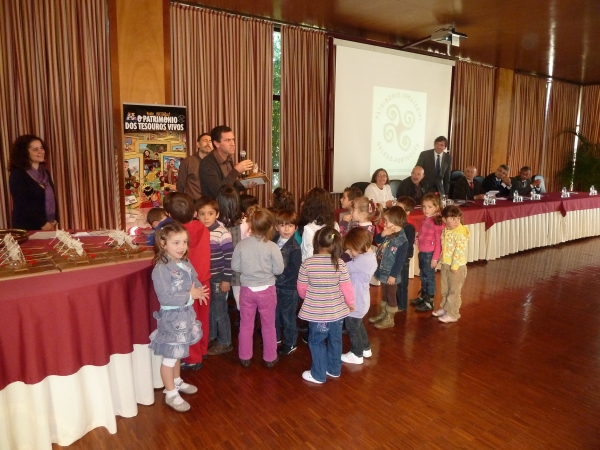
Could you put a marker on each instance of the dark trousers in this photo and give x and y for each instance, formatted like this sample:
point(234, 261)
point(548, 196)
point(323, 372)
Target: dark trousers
point(359, 340)
point(402, 291)
point(285, 316)
point(220, 325)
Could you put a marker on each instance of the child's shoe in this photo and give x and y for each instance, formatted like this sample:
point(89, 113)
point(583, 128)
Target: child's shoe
point(447, 319)
point(367, 353)
point(308, 377)
point(351, 358)
point(186, 388)
point(285, 350)
point(438, 313)
point(177, 403)
point(417, 300)
point(425, 305)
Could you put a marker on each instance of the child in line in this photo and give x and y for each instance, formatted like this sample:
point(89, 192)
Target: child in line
point(282, 199)
point(408, 204)
point(317, 212)
point(365, 212)
point(361, 268)
point(350, 193)
point(429, 241)
point(176, 286)
point(455, 239)
point(221, 250)
point(156, 217)
point(258, 260)
point(182, 210)
point(248, 203)
point(324, 283)
point(287, 294)
point(230, 215)
point(391, 255)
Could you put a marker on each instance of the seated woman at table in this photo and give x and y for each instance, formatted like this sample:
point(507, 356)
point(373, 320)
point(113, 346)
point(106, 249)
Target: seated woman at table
point(31, 187)
point(379, 190)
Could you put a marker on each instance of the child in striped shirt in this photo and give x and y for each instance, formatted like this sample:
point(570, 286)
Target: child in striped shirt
point(325, 285)
point(221, 249)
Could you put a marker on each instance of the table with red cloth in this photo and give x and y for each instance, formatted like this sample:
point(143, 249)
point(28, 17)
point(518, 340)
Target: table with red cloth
point(74, 351)
point(507, 227)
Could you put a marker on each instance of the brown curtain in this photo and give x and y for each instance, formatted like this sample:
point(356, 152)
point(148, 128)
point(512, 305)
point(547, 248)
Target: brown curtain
point(590, 113)
point(223, 72)
point(303, 100)
point(527, 123)
point(472, 117)
point(562, 115)
point(55, 83)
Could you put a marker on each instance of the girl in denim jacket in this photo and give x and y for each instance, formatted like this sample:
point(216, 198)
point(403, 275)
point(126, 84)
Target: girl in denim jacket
point(391, 255)
point(176, 285)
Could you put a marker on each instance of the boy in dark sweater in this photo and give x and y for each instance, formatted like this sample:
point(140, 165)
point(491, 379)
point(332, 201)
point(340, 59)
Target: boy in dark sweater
point(285, 285)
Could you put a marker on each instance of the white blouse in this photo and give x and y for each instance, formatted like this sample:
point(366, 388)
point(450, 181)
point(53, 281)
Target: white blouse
point(381, 196)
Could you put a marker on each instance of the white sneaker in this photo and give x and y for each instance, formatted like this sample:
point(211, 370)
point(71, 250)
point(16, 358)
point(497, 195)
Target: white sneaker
point(447, 319)
point(351, 358)
point(332, 376)
point(308, 377)
point(367, 353)
point(439, 313)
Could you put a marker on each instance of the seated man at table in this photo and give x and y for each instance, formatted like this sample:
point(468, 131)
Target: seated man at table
point(498, 181)
point(414, 186)
point(523, 184)
point(467, 187)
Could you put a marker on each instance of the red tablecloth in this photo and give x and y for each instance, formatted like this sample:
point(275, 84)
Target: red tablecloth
point(56, 323)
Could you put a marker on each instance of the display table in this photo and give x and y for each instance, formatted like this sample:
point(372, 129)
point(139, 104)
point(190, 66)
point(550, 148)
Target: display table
point(74, 352)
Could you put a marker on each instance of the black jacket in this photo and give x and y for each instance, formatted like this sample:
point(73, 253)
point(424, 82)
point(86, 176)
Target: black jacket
point(409, 189)
point(489, 184)
point(212, 178)
point(463, 191)
point(292, 260)
point(29, 201)
point(427, 162)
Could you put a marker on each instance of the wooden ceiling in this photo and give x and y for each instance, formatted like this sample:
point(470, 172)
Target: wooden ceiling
point(558, 38)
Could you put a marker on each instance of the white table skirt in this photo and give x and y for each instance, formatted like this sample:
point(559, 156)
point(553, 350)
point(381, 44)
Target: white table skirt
point(62, 409)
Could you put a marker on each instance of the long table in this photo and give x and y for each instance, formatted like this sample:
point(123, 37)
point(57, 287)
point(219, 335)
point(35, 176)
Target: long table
point(74, 352)
point(507, 227)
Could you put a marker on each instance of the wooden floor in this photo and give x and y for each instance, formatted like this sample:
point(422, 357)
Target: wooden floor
point(520, 370)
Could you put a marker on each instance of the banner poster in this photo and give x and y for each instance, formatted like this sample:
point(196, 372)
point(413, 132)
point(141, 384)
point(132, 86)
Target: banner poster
point(154, 145)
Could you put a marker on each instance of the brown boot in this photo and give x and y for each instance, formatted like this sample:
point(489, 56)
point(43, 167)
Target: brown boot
point(388, 320)
point(381, 314)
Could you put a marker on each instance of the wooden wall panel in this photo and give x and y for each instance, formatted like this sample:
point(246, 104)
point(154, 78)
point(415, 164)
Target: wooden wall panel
point(502, 111)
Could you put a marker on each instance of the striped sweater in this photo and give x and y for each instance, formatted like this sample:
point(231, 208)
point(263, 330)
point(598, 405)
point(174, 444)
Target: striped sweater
point(221, 249)
point(327, 293)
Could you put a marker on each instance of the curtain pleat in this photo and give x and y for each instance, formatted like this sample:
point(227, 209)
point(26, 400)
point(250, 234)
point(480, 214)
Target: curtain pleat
point(562, 115)
point(527, 123)
point(590, 113)
point(223, 73)
point(472, 117)
point(303, 101)
point(55, 83)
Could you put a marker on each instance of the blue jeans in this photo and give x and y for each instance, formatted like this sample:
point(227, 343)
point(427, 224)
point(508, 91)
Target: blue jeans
point(359, 340)
point(285, 316)
point(402, 292)
point(427, 273)
point(325, 357)
point(220, 325)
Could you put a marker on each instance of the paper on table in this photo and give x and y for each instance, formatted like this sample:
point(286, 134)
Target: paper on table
point(43, 235)
point(81, 234)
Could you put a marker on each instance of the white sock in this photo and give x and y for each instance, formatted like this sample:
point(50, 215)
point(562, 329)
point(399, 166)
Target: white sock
point(175, 393)
point(179, 383)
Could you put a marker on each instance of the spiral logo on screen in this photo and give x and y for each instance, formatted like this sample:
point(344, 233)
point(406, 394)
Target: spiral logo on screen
point(399, 127)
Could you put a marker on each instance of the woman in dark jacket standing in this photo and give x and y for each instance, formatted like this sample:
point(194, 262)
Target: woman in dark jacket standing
point(31, 188)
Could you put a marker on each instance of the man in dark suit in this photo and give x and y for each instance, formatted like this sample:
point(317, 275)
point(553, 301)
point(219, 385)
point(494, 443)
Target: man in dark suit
point(217, 167)
point(498, 181)
point(467, 187)
point(437, 163)
point(413, 186)
point(523, 184)
point(188, 179)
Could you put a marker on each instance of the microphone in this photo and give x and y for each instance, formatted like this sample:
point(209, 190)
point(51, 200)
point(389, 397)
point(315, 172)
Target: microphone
point(243, 158)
